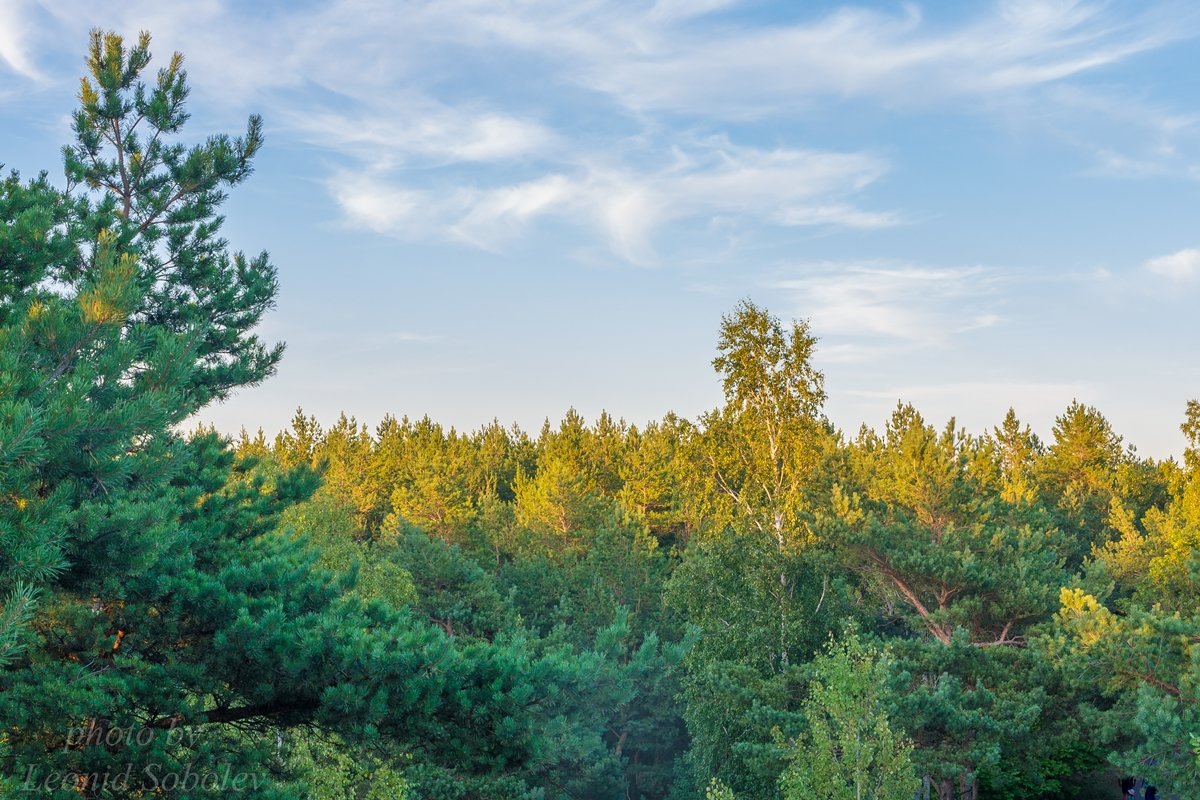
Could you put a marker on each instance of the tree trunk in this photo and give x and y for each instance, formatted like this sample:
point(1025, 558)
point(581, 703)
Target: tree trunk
point(783, 654)
point(783, 586)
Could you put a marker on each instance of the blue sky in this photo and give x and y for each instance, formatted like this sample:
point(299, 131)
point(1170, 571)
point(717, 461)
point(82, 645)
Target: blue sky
point(502, 209)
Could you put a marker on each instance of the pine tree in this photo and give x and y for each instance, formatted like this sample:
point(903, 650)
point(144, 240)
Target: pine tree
point(968, 566)
point(1091, 481)
point(35, 246)
point(658, 484)
point(572, 488)
point(124, 312)
point(1143, 650)
point(434, 487)
point(157, 623)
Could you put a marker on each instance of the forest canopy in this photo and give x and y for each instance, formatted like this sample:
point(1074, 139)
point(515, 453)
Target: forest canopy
point(751, 604)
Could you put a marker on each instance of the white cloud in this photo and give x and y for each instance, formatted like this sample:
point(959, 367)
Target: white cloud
point(425, 132)
point(737, 182)
point(14, 41)
point(838, 214)
point(666, 55)
point(897, 58)
point(628, 207)
point(653, 59)
point(676, 10)
point(1128, 137)
point(882, 306)
point(487, 218)
point(1181, 266)
point(474, 119)
point(376, 205)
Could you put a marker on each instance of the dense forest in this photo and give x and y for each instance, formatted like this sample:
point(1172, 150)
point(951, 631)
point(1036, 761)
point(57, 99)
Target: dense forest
point(749, 605)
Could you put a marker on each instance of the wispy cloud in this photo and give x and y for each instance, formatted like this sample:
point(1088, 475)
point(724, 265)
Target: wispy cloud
point(897, 58)
point(1127, 136)
point(472, 121)
point(713, 178)
point(1183, 265)
point(15, 42)
point(880, 307)
point(423, 132)
point(695, 57)
point(485, 218)
point(838, 214)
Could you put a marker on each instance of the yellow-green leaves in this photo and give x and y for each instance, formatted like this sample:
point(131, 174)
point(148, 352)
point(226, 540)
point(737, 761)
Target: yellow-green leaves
point(112, 293)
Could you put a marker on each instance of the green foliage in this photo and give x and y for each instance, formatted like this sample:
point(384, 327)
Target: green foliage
point(1146, 661)
point(755, 578)
point(849, 750)
point(1094, 486)
point(452, 591)
point(336, 770)
point(184, 626)
point(932, 535)
point(122, 314)
point(596, 611)
point(763, 447)
point(946, 537)
point(1142, 653)
point(328, 523)
point(158, 199)
point(718, 791)
point(636, 547)
point(658, 479)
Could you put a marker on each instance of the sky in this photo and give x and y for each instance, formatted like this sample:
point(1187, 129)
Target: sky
point(505, 208)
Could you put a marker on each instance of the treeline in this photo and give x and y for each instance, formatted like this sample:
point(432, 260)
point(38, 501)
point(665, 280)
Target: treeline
point(748, 605)
point(1024, 608)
